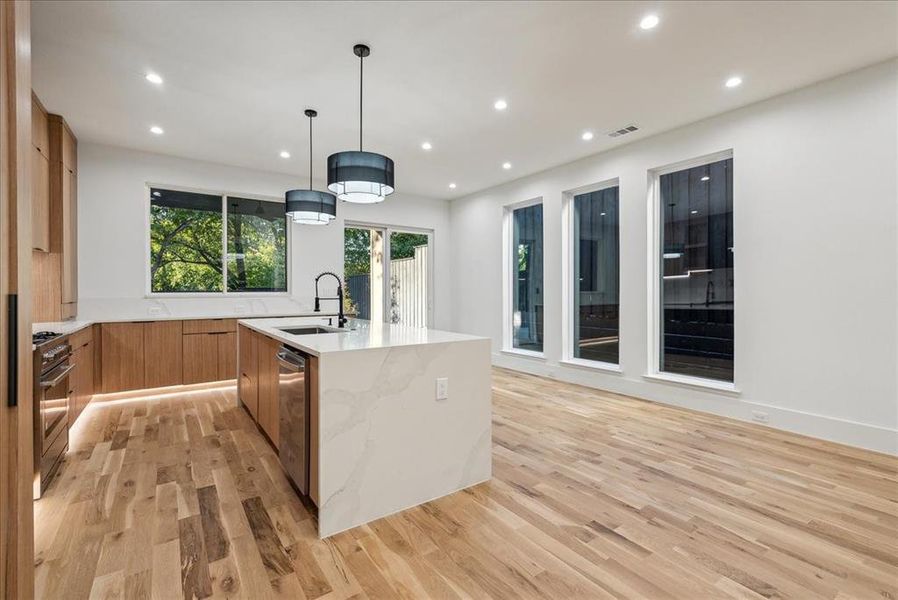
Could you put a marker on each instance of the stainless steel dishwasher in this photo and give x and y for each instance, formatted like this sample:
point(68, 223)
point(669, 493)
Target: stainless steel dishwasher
point(293, 404)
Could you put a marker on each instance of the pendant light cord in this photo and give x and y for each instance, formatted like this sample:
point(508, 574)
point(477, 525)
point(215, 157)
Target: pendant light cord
point(361, 87)
point(310, 153)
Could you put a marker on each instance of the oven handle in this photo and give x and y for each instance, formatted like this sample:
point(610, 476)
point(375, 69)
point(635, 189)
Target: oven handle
point(52, 382)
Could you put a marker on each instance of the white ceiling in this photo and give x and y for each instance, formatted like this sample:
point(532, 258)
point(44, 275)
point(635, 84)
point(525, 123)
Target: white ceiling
point(239, 74)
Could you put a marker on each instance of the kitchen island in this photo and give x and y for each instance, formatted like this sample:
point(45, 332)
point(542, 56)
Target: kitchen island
point(397, 415)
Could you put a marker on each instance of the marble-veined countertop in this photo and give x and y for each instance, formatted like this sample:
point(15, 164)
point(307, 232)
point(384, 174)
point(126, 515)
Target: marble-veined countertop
point(357, 335)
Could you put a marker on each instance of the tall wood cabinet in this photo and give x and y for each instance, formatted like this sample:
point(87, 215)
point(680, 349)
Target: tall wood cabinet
point(54, 211)
point(40, 177)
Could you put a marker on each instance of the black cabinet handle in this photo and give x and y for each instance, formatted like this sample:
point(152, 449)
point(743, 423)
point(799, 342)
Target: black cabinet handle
point(12, 367)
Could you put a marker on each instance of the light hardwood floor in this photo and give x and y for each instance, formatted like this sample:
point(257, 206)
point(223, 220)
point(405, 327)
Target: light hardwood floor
point(594, 495)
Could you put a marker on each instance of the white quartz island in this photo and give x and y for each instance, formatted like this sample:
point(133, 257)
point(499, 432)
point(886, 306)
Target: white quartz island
point(385, 442)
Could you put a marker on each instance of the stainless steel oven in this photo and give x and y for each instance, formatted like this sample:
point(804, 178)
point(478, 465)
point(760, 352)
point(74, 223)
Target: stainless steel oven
point(51, 404)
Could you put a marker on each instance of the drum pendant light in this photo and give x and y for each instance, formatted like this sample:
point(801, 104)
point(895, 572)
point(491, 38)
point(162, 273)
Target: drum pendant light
point(311, 207)
point(360, 177)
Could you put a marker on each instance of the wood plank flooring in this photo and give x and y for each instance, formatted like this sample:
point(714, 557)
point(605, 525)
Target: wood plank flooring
point(594, 495)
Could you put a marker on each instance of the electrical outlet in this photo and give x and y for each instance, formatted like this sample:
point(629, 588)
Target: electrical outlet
point(154, 311)
point(760, 417)
point(240, 309)
point(442, 388)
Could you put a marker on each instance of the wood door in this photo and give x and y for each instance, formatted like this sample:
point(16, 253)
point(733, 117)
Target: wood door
point(247, 385)
point(16, 416)
point(76, 384)
point(227, 355)
point(40, 200)
point(268, 387)
point(163, 353)
point(123, 357)
point(200, 357)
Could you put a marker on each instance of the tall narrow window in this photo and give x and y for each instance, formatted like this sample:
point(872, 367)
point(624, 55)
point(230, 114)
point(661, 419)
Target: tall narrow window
point(596, 268)
point(697, 305)
point(408, 278)
point(527, 278)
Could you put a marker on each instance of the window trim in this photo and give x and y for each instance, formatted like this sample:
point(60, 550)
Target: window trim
point(567, 277)
point(387, 230)
point(508, 276)
point(653, 258)
point(148, 284)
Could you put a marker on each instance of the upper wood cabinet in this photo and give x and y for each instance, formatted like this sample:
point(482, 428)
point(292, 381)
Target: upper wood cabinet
point(40, 177)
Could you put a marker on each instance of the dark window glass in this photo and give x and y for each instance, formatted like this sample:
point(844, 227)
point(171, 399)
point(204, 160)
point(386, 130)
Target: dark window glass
point(697, 271)
point(596, 276)
point(185, 242)
point(527, 269)
point(257, 246)
point(358, 247)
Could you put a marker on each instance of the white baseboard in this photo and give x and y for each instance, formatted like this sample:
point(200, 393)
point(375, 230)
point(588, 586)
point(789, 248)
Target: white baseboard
point(842, 431)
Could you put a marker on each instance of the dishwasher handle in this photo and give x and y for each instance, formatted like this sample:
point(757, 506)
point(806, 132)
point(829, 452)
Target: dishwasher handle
point(288, 358)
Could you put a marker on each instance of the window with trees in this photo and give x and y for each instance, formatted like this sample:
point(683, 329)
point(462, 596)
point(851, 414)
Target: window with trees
point(210, 243)
point(527, 278)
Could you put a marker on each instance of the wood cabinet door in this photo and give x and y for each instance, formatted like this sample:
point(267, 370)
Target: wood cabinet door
point(69, 236)
point(123, 356)
point(200, 357)
point(86, 379)
point(268, 387)
point(227, 355)
point(76, 376)
point(247, 385)
point(40, 201)
point(163, 352)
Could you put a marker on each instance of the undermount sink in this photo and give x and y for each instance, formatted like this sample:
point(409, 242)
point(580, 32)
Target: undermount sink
point(306, 330)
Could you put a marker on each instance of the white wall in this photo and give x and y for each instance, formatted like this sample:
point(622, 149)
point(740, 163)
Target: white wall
point(816, 259)
point(112, 234)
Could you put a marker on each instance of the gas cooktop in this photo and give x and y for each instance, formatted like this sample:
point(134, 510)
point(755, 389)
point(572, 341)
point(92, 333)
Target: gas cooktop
point(42, 337)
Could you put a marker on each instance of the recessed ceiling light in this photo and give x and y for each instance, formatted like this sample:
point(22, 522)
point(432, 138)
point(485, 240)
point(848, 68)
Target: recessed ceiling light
point(649, 22)
point(705, 178)
point(500, 104)
point(451, 186)
point(154, 78)
point(285, 154)
point(426, 146)
point(506, 165)
point(587, 135)
point(157, 130)
point(733, 82)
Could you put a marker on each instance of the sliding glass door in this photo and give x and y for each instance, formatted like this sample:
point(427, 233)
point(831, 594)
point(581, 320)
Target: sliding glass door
point(388, 274)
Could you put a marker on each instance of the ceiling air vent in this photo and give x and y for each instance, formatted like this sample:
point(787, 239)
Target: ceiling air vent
point(623, 131)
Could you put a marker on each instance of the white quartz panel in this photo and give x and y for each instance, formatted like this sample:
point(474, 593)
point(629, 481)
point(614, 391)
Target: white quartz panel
point(386, 443)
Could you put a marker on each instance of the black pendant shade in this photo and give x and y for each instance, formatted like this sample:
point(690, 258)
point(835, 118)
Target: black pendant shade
point(310, 207)
point(361, 177)
point(358, 176)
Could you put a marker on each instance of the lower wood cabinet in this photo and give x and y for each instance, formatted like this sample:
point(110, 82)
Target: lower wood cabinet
point(81, 379)
point(200, 357)
point(123, 357)
point(248, 364)
point(152, 354)
point(258, 384)
point(269, 417)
